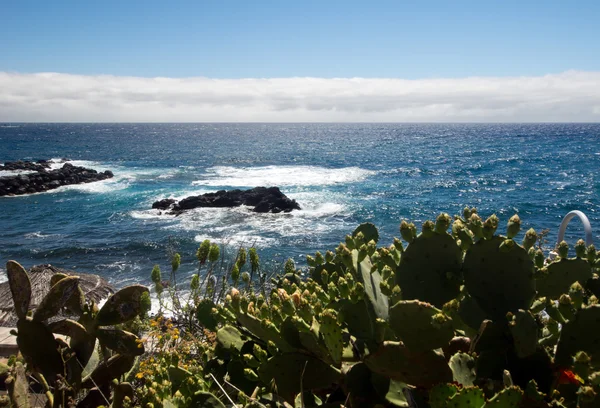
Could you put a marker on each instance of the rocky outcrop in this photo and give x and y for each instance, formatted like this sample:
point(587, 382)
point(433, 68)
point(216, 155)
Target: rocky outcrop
point(40, 165)
point(44, 179)
point(263, 199)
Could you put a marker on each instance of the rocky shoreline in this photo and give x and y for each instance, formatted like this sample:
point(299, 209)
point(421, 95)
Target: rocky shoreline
point(263, 199)
point(43, 178)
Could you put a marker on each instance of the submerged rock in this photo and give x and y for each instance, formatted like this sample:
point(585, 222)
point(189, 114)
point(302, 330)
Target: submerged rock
point(263, 199)
point(44, 179)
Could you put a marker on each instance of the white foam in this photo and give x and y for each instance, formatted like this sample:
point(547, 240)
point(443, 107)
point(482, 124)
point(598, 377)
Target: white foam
point(281, 176)
point(321, 212)
point(38, 235)
point(8, 173)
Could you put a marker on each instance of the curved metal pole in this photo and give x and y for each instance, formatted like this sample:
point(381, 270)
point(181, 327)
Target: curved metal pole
point(589, 240)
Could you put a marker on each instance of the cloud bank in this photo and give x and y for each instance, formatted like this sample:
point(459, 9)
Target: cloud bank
point(572, 96)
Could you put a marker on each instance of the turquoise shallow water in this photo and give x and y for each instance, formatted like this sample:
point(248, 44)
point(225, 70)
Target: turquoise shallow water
point(341, 174)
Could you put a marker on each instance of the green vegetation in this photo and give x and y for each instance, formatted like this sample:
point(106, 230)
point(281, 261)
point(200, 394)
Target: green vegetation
point(467, 318)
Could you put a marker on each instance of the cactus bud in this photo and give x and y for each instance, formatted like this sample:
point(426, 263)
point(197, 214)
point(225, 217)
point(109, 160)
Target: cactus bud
point(398, 245)
point(371, 247)
point(586, 395)
point(343, 288)
point(250, 375)
point(246, 278)
point(290, 266)
point(155, 275)
point(539, 258)
point(235, 299)
point(475, 225)
point(442, 223)
point(235, 273)
point(489, 226)
point(563, 250)
point(319, 260)
point(195, 283)
point(272, 348)
point(214, 253)
point(507, 245)
point(251, 361)
point(359, 240)
point(591, 254)
point(329, 256)
point(362, 253)
point(203, 251)
point(530, 238)
point(428, 228)
point(260, 354)
point(241, 258)
point(254, 260)
point(349, 241)
point(386, 272)
point(577, 293)
point(580, 249)
point(333, 291)
point(310, 261)
point(408, 232)
point(324, 277)
point(466, 238)
point(514, 226)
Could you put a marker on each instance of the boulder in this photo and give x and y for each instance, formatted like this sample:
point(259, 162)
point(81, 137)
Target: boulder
point(263, 199)
point(44, 179)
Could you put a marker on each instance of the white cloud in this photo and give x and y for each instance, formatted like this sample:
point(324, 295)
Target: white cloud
point(53, 97)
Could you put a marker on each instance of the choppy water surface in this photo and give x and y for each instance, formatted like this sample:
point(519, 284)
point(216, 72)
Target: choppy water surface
point(340, 174)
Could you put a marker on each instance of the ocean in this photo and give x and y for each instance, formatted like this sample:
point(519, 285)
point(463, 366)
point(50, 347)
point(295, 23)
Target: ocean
point(340, 174)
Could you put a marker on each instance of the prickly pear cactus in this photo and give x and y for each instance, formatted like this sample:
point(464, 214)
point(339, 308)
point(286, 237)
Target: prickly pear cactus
point(20, 287)
point(394, 360)
point(524, 331)
point(120, 341)
point(206, 400)
point(290, 371)
point(420, 325)
point(56, 298)
point(331, 333)
point(108, 370)
point(578, 335)
point(498, 274)
point(38, 346)
point(122, 307)
point(430, 267)
point(18, 387)
point(463, 368)
point(561, 274)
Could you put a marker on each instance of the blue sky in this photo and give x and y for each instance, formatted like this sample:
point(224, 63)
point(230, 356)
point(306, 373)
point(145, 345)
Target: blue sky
point(327, 38)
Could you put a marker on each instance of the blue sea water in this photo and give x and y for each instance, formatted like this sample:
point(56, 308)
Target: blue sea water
point(341, 175)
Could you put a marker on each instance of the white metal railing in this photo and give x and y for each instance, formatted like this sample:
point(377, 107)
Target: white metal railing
point(587, 227)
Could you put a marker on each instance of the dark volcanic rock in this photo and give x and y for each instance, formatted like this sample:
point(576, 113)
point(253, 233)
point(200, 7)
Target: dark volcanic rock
point(44, 179)
point(41, 165)
point(263, 200)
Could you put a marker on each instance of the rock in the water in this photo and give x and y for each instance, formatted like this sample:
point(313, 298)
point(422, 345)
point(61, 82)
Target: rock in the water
point(44, 179)
point(263, 199)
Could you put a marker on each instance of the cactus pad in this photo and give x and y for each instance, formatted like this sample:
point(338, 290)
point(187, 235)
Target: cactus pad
point(499, 280)
point(108, 370)
point(440, 395)
point(18, 387)
point(463, 369)
point(467, 397)
point(579, 335)
point(561, 275)
point(56, 298)
point(395, 361)
point(292, 369)
point(68, 327)
point(369, 231)
point(205, 314)
point(429, 269)
point(331, 332)
point(230, 338)
point(38, 346)
point(524, 331)
point(123, 306)
point(20, 287)
point(120, 341)
point(420, 325)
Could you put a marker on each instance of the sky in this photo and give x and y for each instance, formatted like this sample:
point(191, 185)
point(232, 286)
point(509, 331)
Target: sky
point(327, 60)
